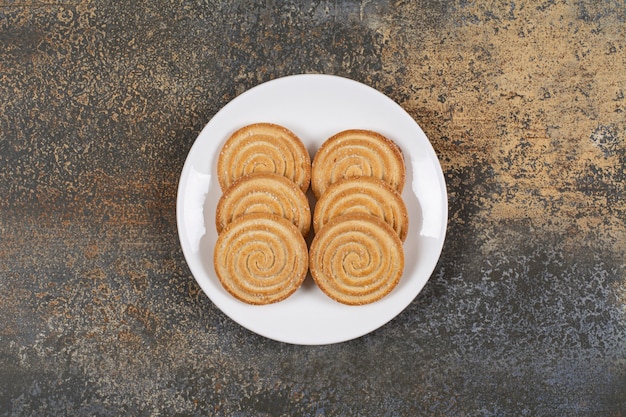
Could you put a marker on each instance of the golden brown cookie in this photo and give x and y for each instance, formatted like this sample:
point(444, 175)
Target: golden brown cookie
point(264, 147)
point(354, 153)
point(367, 195)
point(260, 258)
point(356, 259)
point(264, 193)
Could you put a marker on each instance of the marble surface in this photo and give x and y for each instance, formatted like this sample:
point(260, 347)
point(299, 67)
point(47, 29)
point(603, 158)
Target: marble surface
point(524, 103)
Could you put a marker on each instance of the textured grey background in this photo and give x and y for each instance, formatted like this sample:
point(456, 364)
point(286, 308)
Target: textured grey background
point(524, 104)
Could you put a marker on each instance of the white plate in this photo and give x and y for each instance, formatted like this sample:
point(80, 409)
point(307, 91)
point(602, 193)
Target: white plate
point(314, 107)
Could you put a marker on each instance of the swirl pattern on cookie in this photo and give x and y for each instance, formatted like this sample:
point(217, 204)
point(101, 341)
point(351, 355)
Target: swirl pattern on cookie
point(367, 195)
point(356, 259)
point(264, 148)
point(354, 153)
point(264, 193)
point(260, 258)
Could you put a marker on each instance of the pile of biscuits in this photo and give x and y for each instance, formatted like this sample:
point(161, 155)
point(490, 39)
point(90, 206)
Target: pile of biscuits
point(263, 215)
point(360, 220)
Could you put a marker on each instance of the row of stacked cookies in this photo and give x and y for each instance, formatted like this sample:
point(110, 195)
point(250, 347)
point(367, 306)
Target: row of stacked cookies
point(360, 219)
point(263, 216)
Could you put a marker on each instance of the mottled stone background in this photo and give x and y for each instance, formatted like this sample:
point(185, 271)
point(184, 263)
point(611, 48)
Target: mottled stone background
point(524, 102)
